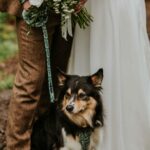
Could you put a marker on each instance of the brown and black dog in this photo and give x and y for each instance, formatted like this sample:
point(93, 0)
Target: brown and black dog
point(79, 109)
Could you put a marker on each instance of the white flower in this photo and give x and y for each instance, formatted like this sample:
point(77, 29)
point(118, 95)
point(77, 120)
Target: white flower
point(36, 3)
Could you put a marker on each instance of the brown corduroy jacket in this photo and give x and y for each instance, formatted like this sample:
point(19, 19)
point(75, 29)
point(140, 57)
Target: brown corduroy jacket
point(12, 7)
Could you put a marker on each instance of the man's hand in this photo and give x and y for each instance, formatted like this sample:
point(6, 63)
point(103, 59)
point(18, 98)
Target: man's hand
point(80, 5)
point(26, 5)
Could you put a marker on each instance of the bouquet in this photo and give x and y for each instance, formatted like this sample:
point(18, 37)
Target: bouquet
point(37, 15)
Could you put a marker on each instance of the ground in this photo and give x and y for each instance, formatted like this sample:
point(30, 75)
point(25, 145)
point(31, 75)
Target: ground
point(4, 101)
point(8, 67)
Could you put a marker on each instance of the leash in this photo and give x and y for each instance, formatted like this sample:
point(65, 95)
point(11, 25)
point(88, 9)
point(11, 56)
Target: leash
point(39, 19)
point(49, 72)
point(84, 138)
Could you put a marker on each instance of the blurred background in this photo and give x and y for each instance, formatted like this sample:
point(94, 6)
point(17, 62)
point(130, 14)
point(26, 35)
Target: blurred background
point(8, 64)
point(8, 51)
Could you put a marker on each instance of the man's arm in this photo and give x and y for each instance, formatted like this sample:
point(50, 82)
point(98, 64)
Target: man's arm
point(12, 7)
point(2, 5)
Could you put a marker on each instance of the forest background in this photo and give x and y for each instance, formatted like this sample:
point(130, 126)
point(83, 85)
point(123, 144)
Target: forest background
point(8, 65)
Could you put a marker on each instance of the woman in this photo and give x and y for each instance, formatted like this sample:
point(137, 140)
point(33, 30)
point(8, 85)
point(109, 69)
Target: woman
point(118, 42)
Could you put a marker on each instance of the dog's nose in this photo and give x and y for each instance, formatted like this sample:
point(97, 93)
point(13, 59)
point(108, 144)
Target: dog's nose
point(70, 108)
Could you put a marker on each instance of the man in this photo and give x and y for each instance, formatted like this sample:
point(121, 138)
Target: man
point(30, 87)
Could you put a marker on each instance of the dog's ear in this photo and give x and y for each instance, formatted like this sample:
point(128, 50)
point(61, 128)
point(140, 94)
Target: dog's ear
point(97, 78)
point(61, 77)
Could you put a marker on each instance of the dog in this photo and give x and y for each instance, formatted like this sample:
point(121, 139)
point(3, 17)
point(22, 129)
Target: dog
point(74, 120)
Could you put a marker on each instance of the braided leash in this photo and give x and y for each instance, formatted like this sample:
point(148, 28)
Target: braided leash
point(84, 137)
point(49, 73)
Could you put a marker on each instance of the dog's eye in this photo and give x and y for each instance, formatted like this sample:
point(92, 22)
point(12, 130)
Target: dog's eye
point(83, 96)
point(67, 95)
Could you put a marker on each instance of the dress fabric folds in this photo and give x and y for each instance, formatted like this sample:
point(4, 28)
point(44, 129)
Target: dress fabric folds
point(117, 41)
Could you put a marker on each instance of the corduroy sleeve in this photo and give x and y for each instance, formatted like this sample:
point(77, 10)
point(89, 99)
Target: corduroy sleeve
point(12, 7)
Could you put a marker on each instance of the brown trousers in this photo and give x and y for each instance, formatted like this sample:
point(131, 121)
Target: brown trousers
point(30, 87)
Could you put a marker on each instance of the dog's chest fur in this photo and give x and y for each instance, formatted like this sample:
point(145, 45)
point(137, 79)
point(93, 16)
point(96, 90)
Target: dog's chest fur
point(73, 143)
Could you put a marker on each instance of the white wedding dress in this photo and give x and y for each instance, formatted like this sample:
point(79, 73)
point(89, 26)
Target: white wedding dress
point(117, 41)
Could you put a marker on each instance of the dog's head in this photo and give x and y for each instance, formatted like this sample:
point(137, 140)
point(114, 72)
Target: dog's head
point(80, 99)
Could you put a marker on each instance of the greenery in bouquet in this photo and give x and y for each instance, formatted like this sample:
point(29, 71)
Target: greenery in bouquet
point(37, 15)
point(67, 8)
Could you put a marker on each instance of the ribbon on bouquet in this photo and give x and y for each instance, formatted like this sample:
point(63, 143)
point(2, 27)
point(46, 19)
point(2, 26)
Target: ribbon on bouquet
point(67, 27)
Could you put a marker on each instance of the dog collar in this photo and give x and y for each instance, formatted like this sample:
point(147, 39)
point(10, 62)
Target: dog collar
point(84, 138)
